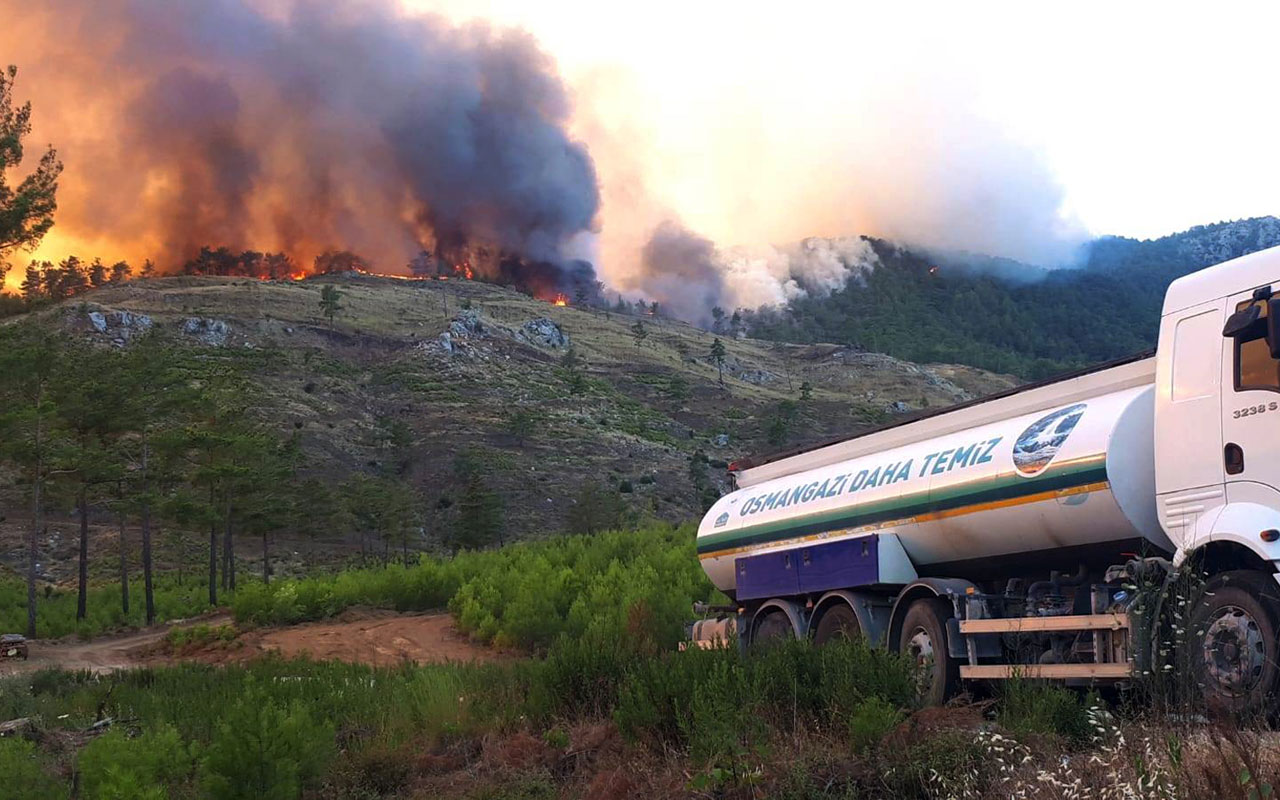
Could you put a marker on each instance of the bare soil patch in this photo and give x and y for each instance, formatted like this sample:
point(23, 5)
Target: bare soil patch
point(372, 638)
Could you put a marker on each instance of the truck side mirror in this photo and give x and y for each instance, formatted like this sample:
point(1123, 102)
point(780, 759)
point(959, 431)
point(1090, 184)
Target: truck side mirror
point(1243, 321)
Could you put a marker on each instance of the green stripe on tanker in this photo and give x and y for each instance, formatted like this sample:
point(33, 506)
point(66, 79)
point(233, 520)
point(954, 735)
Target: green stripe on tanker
point(1071, 475)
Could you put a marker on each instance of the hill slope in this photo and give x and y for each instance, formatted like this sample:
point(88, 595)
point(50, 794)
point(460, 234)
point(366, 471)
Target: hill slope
point(407, 379)
point(971, 309)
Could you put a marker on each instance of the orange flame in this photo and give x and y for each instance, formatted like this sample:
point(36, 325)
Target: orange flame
point(560, 300)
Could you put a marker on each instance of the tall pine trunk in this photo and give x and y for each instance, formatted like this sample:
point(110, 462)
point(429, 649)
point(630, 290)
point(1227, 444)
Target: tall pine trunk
point(148, 589)
point(266, 558)
point(213, 552)
point(124, 566)
point(37, 519)
point(228, 550)
point(82, 597)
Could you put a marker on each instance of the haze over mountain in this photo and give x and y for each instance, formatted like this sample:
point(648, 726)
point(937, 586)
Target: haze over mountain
point(1005, 316)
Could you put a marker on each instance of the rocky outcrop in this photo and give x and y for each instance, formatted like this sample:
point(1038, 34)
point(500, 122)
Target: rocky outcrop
point(207, 331)
point(542, 332)
point(470, 335)
point(118, 327)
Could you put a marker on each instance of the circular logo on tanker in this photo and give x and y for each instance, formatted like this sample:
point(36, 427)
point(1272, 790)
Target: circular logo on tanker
point(1042, 439)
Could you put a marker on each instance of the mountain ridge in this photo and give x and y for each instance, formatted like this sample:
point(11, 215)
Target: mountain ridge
point(921, 307)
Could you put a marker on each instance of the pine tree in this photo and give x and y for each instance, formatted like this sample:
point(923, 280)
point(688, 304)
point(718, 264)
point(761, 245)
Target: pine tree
point(718, 354)
point(72, 278)
point(520, 424)
point(29, 435)
point(596, 508)
point(154, 393)
point(97, 273)
point(329, 305)
point(33, 284)
point(479, 520)
point(120, 272)
point(717, 319)
point(88, 394)
point(639, 332)
point(26, 211)
point(572, 369)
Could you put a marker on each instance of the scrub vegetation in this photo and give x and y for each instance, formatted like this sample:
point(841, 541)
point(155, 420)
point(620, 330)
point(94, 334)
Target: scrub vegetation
point(525, 596)
point(606, 705)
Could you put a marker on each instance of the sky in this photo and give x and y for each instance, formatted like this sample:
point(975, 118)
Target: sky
point(1152, 117)
point(1014, 129)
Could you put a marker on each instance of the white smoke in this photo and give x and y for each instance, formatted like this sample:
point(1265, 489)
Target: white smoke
point(689, 275)
point(759, 276)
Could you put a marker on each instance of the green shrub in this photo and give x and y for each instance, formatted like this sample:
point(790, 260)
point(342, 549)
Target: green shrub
point(1041, 708)
point(949, 764)
point(715, 702)
point(117, 767)
point(200, 635)
point(525, 596)
point(267, 750)
point(870, 721)
point(23, 775)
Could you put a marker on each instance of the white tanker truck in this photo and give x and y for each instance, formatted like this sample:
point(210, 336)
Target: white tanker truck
point(1038, 532)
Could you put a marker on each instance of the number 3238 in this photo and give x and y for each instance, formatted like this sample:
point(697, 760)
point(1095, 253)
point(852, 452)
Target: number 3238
point(1249, 411)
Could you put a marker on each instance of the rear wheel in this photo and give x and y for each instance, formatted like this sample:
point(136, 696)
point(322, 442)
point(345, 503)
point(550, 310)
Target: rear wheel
point(924, 639)
point(837, 623)
point(1235, 665)
point(774, 628)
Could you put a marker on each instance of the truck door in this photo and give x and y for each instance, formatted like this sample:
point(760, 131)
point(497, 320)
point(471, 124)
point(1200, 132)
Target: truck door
point(1250, 408)
point(1188, 435)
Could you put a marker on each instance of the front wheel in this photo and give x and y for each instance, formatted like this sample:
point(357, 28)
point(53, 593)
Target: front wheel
point(1235, 665)
point(924, 639)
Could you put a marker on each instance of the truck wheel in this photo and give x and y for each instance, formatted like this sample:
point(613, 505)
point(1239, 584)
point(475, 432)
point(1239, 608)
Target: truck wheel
point(1235, 665)
point(837, 623)
point(773, 629)
point(924, 639)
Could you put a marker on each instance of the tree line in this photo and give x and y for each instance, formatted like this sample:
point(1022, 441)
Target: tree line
point(158, 435)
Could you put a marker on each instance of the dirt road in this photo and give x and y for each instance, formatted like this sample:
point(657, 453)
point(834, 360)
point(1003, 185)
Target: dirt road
point(371, 637)
point(102, 654)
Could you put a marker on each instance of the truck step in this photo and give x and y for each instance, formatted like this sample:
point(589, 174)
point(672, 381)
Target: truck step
point(1047, 671)
point(1079, 622)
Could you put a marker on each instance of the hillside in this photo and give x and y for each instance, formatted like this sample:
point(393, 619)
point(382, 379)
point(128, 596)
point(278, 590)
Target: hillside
point(401, 386)
point(1003, 316)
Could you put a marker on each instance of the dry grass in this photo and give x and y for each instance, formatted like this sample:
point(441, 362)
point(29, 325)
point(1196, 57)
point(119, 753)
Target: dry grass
point(336, 385)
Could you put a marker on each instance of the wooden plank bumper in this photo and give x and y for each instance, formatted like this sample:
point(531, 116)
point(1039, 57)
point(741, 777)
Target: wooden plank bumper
point(1079, 622)
point(1047, 671)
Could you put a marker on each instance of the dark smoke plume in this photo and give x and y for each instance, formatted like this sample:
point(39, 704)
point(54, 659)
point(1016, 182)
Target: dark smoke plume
point(678, 266)
point(302, 127)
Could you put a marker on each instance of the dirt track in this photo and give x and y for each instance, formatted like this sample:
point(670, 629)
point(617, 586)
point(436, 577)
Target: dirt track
point(374, 638)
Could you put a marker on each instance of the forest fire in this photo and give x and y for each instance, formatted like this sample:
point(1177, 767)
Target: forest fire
point(560, 300)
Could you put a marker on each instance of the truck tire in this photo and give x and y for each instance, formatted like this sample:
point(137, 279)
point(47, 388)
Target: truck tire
point(837, 623)
point(773, 629)
point(924, 639)
point(1233, 661)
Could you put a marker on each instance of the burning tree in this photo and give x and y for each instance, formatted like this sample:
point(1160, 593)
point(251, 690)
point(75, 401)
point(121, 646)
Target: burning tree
point(331, 261)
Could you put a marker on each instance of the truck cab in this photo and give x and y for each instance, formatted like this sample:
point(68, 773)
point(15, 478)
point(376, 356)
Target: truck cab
point(1217, 441)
